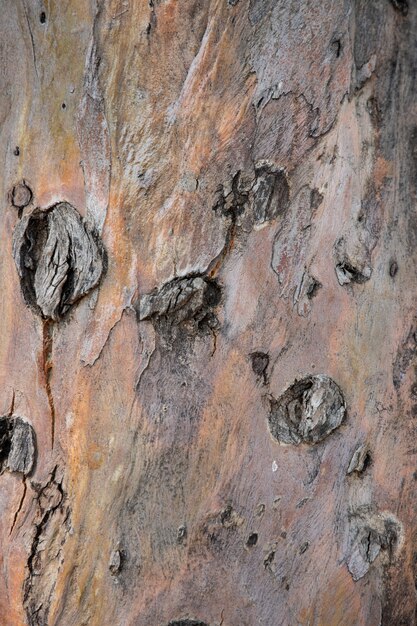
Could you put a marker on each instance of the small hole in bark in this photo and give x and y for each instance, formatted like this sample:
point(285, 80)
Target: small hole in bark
point(260, 362)
point(367, 462)
point(393, 269)
point(63, 106)
point(212, 294)
point(336, 47)
point(313, 288)
point(16, 151)
point(252, 540)
point(6, 431)
point(42, 17)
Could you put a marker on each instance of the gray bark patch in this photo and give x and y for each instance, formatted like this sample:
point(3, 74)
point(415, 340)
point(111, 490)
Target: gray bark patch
point(58, 258)
point(116, 562)
point(369, 536)
point(188, 299)
point(352, 266)
point(17, 445)
point(271, 194)
point(361, 459)
point(308, 411)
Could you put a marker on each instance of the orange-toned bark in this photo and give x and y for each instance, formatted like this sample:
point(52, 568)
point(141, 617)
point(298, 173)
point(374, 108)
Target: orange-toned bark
point(250, 169)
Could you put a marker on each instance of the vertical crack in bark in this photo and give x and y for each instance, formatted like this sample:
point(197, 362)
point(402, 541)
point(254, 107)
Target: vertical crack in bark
point(32, 41)
point(12, 403)
point(47, 344)
point(19, 508)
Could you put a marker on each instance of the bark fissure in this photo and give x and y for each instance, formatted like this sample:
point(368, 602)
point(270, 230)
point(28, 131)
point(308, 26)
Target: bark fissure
point(47, 367)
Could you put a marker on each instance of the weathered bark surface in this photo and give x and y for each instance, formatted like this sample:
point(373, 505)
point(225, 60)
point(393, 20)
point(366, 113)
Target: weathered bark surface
point(208, 407)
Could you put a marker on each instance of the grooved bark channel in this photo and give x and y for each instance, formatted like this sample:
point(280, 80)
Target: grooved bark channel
point(208, 353)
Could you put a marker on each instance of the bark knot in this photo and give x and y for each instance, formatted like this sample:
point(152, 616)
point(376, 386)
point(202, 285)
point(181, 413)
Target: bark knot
point(308, 411)
point(58, 257)
point(17, 445)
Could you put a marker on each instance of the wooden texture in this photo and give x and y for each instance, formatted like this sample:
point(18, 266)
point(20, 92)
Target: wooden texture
point(234, 185)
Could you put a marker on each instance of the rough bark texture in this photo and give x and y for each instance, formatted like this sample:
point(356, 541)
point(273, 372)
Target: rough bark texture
point(209, 404)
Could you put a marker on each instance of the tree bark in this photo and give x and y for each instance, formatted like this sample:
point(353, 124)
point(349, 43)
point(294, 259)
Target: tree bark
point(209, 330)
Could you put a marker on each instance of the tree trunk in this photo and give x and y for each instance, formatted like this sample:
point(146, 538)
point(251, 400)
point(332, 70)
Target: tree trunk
point(209, 331)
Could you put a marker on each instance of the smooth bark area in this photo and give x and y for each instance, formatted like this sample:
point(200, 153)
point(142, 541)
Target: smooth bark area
point(208, 316)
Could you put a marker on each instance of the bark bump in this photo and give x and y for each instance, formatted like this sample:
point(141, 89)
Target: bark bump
point(17, 445)
point(352, 266)
point(361, 460)
point(21, 195)
point(59, 259)
point(308, 411)
point(188, 299)
point(370, 535)
point(116, 562)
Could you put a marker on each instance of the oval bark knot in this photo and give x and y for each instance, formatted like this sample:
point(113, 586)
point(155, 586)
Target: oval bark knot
point(17, 445)
point(21, 195)
point(58, 257)
point(308, 411)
